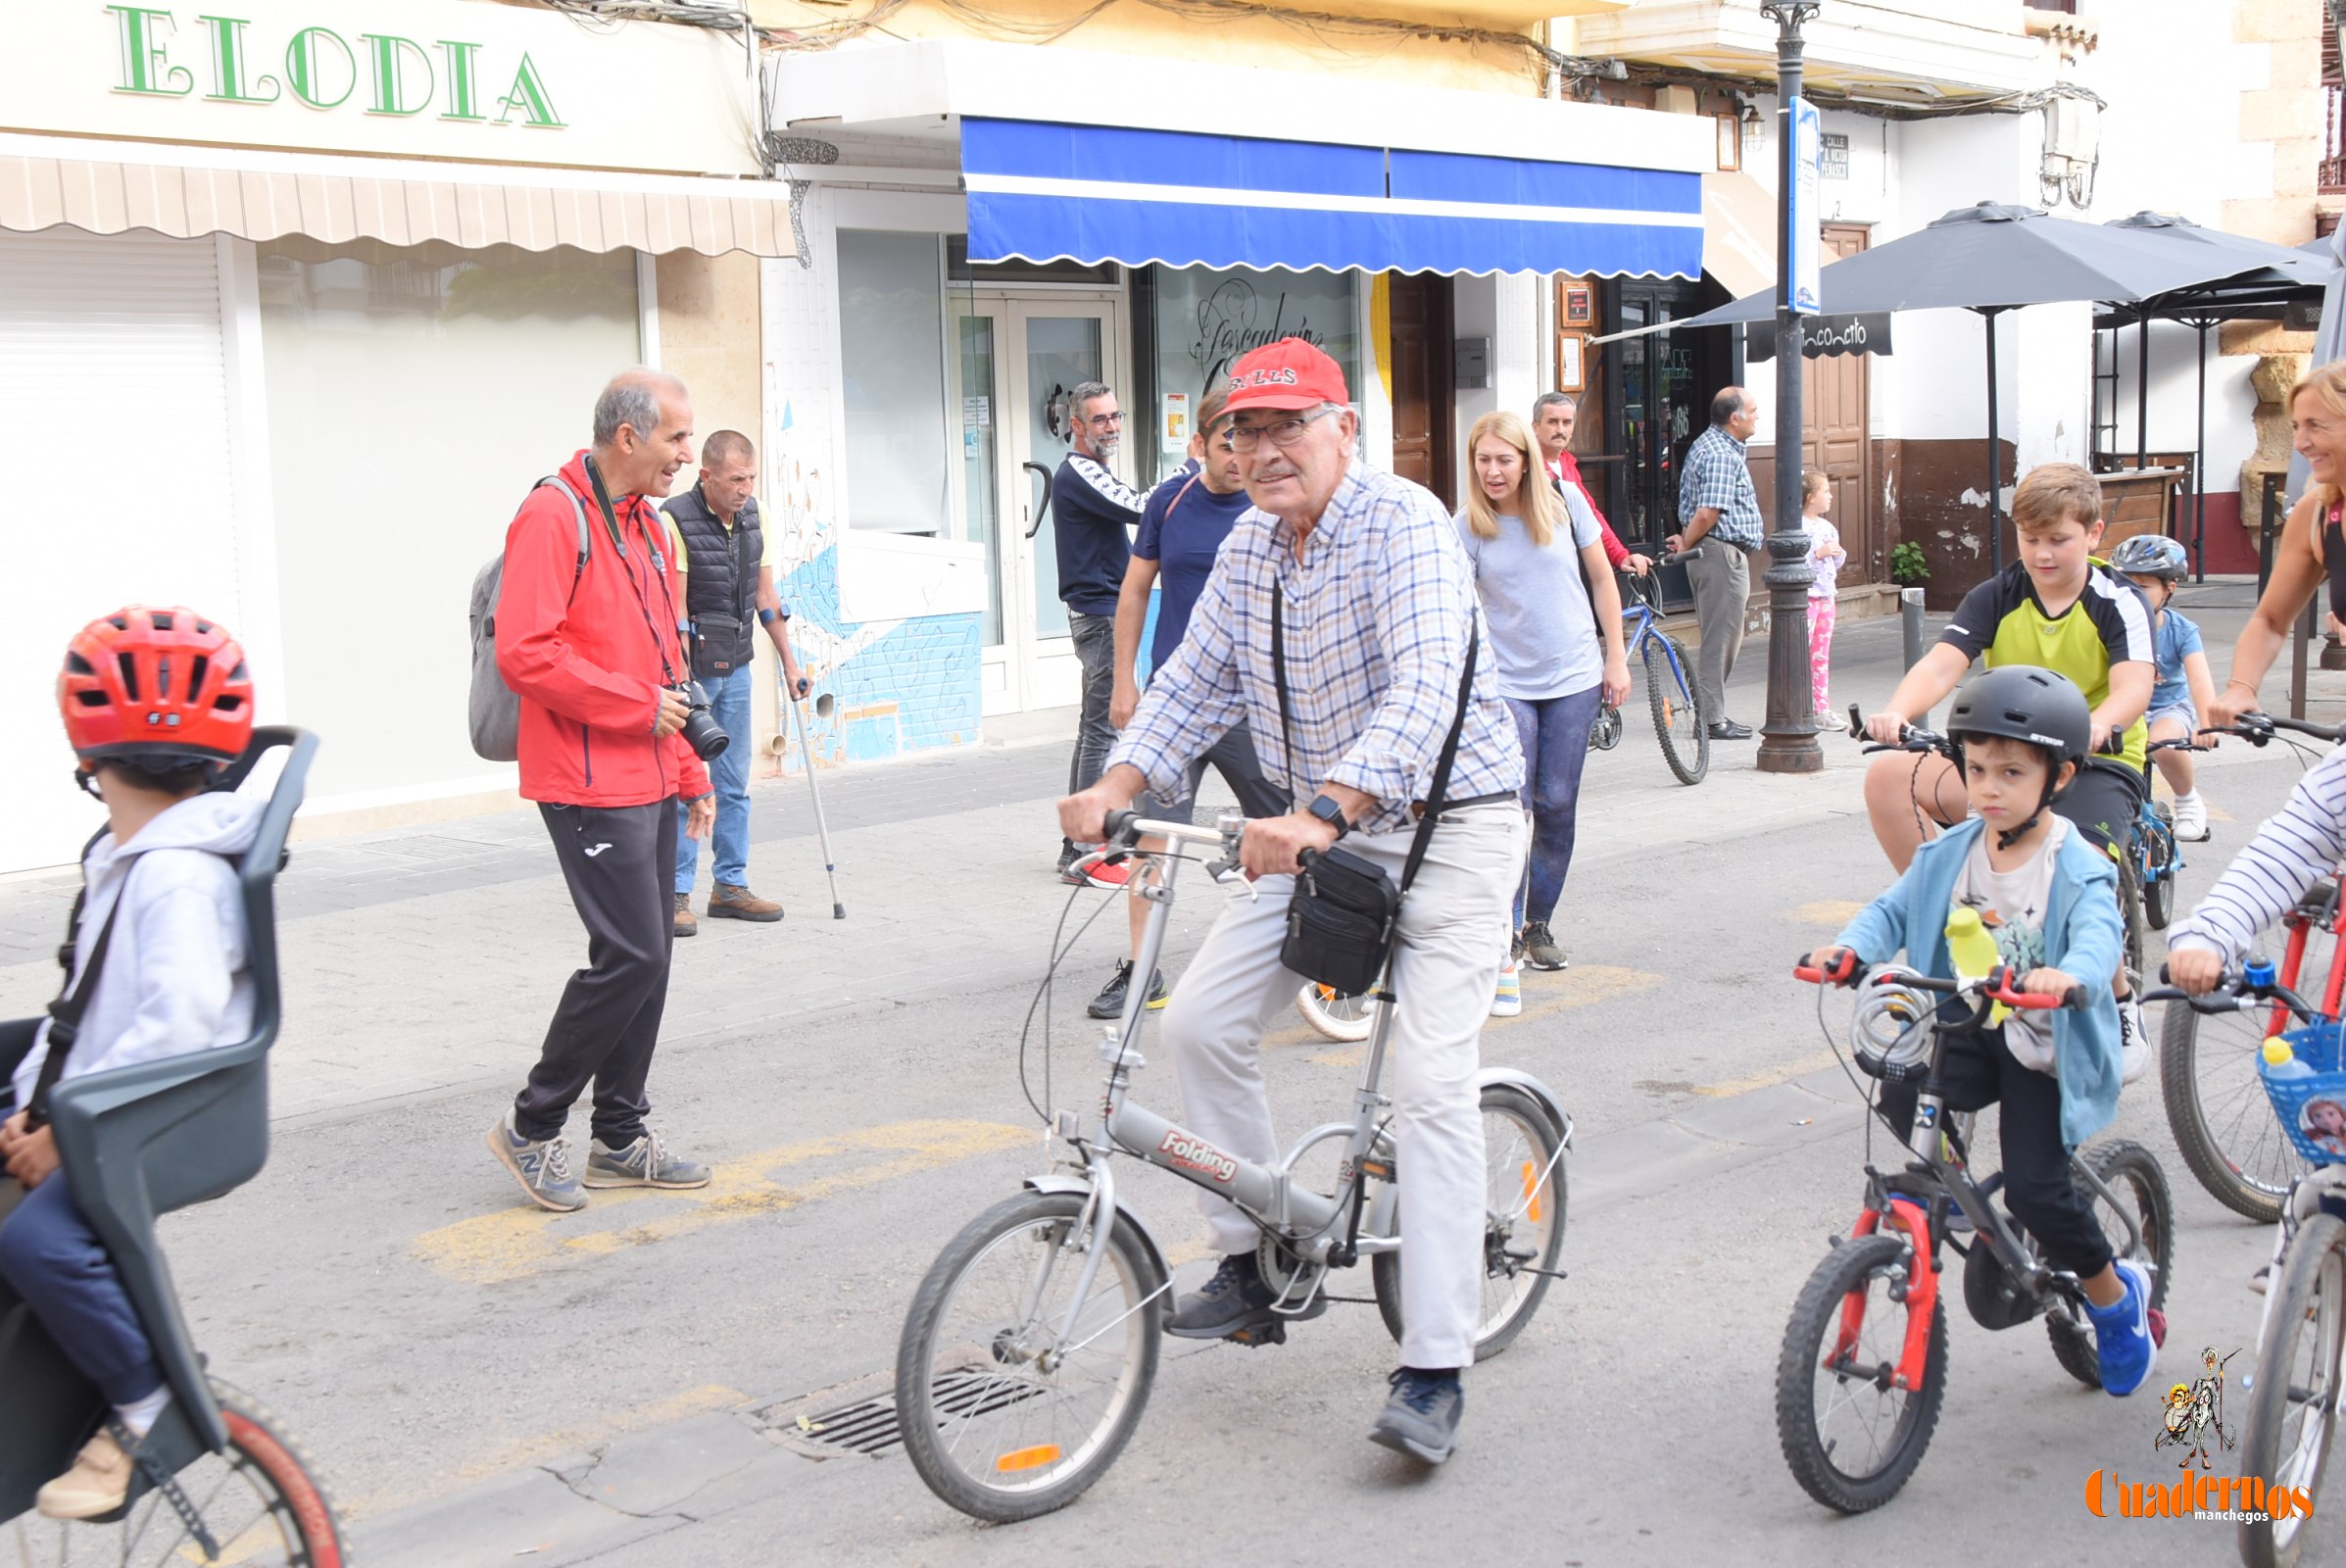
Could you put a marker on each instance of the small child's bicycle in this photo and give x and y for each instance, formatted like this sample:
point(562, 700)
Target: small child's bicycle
point(2294, 1388)
point(1864, 1365)
point(217, 1480)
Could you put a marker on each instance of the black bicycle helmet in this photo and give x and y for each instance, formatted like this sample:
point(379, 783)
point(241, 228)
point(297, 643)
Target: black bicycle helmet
point(2151, 554)
point(2023, 703)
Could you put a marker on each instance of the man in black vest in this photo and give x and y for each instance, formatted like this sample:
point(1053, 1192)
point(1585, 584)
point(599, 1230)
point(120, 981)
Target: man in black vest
point(721, 551)
point(1091, 513)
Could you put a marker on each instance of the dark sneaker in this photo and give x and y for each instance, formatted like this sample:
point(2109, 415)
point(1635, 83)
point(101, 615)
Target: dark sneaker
point(2121, 1335)
point(541, 1166)
point(1235, 1299)
point(686, 925)
point(1539, 949)
point(1421, 1418)
point(1729, 730)
point(646, 1162)
point(1109, 1004)
point(733, 901)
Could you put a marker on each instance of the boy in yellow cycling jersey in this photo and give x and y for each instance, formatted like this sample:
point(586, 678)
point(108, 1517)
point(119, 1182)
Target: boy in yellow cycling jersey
point(2057, 609)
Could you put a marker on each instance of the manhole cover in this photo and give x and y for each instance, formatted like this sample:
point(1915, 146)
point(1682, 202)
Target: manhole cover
point(870, 1426)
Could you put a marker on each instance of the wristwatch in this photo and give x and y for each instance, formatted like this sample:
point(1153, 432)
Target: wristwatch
point(1327, 810)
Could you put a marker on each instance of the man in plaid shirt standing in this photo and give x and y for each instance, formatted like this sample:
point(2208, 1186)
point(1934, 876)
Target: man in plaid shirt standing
point(1377, 603)
point(1719, 510)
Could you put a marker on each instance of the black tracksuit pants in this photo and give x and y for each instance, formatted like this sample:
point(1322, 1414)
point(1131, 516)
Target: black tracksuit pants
point(619, 861)
point(1979, 1071)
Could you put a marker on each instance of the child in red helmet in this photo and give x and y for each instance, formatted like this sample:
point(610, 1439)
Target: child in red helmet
point(155, 701)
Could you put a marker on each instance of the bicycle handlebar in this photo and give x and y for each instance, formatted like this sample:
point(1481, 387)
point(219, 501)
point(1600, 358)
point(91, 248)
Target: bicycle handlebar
point(2258, 727)
point(2232, 993)
point(1996, 986)
point(1679, 559)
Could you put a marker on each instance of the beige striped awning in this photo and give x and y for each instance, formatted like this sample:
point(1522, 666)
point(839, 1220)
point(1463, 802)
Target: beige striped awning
point(655, 216)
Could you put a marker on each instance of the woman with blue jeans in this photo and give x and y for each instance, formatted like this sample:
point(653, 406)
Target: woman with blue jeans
point(1554, 614)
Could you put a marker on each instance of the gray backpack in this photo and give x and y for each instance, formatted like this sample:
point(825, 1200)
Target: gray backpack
point(496, 712)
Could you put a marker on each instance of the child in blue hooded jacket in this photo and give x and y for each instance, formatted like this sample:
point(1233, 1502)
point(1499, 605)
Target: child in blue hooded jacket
point(2048, 897)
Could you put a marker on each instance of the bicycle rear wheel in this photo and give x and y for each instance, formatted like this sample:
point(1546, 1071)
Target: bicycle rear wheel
point(1677, 719)
point(2223, 1125)
point(1850, 1435)
point(258, 1500)
point(2131, 1172)
point(1003, 1416)
point(1524, 1198)
point(2159, 857)
point(1334, 1014)
point(2293, 1406)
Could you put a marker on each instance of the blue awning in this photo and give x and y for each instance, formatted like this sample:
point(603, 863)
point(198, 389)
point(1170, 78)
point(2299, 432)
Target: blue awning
point(1045, 192)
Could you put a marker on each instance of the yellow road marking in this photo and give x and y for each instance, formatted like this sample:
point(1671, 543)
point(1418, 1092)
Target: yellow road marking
point(1834, 912)
point(514, 1243)
point(1765, 1079)
point(1545, 992)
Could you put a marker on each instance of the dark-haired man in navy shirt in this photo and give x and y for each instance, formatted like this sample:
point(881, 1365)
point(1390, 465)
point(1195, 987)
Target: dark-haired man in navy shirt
point(1181, 528)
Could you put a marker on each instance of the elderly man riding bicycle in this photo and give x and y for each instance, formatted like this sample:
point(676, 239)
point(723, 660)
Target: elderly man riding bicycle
point(1357, 578)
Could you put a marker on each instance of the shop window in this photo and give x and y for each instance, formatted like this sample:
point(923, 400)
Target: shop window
point(1203, 320)
point(892, 379)
point(414, 396)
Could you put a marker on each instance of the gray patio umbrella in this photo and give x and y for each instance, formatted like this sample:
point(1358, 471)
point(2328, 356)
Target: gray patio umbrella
point(1991, 259)
point(2330, 339)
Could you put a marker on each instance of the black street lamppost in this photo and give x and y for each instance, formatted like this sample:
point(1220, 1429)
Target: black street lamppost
point(1789, 738)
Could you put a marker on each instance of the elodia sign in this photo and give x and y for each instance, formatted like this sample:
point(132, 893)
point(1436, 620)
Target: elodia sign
point(318, 68)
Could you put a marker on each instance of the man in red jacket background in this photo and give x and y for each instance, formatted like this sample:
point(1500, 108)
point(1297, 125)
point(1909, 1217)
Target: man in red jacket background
point(595, 653)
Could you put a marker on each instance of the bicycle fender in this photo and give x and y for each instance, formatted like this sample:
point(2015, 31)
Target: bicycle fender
point(1058, 1183)
point(1541, 1095)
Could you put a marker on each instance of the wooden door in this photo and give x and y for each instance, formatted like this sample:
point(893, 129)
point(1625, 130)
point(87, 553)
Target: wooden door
point(1836, 436)
point(1422, 404)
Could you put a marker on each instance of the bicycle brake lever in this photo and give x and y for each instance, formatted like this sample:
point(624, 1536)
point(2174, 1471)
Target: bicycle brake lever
point(1226, 873)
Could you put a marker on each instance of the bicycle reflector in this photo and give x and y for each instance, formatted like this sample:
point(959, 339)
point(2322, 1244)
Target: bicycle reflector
point(1891, 1035)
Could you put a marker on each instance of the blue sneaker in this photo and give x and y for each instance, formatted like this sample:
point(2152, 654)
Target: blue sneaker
point(2123, 1334)
point(541, 1165)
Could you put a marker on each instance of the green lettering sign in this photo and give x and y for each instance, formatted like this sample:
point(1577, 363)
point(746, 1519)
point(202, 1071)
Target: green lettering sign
point(528, 94)
point(307, 73)
point(227, 65)
point(390, 81)
point(464, 102)
point(145, 66)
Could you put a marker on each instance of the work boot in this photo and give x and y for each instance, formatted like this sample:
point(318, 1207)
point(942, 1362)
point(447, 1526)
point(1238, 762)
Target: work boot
point(732, 902)
point(1421, 1418)
point(541, 1165)
point(96, 1484)
point(686, 925)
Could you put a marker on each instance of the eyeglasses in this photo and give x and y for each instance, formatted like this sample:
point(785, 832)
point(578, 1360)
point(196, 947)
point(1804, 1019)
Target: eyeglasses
point(1106, 422)
point(1284, 433)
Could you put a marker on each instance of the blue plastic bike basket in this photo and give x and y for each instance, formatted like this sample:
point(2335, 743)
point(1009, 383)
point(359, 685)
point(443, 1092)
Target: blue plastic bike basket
point(2319, 1047)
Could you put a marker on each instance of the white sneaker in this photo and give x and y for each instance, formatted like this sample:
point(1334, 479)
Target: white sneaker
point(2134, 1044)
point(1508, 1002)
point(2191, 818)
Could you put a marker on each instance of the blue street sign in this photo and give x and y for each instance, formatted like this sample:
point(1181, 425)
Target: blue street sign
point(1807, 140)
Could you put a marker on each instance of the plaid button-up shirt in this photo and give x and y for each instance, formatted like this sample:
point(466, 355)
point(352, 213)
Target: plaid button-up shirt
point(1375, 618)
point(1715, 476)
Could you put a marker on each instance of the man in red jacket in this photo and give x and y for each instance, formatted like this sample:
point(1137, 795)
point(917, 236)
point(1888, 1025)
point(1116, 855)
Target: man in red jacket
point(592, 651)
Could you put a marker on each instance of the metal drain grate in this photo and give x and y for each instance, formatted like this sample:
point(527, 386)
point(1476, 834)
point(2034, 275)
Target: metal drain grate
point(870, 1426)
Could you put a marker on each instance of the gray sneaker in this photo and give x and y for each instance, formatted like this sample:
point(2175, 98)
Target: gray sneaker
point(1539, 949)
point(541, 1166)
point(646, 1162)
point(1421, 1418)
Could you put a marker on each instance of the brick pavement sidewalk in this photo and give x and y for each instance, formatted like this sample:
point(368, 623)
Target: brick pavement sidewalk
point(425, 961)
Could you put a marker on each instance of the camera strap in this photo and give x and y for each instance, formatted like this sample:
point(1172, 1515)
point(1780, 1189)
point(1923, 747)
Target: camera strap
point(610, 522)
point(1450, 747)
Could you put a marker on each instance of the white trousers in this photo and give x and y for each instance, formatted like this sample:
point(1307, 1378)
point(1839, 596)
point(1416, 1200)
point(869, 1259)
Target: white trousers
point(1453, 936)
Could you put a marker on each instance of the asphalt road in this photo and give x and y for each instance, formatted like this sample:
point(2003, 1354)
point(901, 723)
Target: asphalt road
point(488, 1385)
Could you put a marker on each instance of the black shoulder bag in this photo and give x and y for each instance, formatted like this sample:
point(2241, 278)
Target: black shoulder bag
point(1342, 920)
point(64, 1014)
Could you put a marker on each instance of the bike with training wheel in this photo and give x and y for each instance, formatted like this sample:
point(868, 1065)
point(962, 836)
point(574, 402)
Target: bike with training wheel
point(1864, 1366)
point(1678, 722)
point(217, 1480)
point(2209, 1060)
point(1031, 1346)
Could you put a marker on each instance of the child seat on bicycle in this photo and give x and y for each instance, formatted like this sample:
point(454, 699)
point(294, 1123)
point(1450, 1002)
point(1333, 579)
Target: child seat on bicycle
point(2048, 898)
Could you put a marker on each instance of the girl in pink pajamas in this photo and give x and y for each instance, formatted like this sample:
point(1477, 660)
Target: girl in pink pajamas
point(1826, 555)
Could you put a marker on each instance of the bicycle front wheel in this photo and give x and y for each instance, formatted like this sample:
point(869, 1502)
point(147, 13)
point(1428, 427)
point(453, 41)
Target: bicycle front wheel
point(1523, 1231)
point(1006, 1412)
point(1851, 1434)
point(2223, 1125)
point(1677, 717)
point(1334, 1014)
point(2158, 856)
point(2293, 1406)
point(256, 1501)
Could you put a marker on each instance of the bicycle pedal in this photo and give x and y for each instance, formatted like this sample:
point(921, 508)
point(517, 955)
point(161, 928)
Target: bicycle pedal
point(1271, 1333)
point(2158, 1327)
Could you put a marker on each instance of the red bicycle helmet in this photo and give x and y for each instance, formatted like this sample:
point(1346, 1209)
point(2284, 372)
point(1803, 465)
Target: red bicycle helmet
point(162, 688)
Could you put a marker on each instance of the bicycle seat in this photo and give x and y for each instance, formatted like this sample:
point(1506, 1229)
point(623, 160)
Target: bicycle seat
point(2319, 899)
point(139, 1142)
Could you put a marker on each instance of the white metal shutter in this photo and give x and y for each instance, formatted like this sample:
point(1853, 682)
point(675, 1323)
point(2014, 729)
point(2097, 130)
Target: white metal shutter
point(113, 395)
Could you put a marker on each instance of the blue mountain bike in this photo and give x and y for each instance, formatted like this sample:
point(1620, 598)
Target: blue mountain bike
point(1684, 728)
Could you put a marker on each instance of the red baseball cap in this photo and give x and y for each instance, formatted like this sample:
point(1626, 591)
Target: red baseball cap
point(1289, 373)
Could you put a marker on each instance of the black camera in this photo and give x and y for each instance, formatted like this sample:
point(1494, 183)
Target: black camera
point(700, 730)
